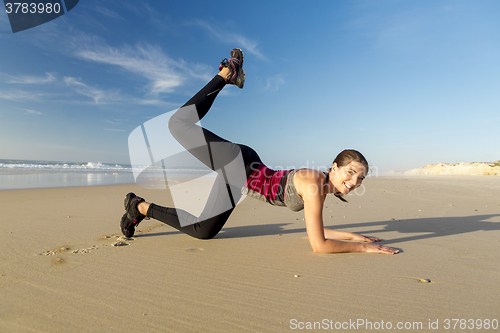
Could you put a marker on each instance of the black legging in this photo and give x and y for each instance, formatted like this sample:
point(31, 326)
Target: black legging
point(216, 153)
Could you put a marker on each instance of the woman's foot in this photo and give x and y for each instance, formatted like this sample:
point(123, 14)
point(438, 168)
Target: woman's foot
point(236, 73)
point(132, 216)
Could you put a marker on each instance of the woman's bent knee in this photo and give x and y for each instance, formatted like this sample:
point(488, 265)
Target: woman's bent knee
point(205, 235)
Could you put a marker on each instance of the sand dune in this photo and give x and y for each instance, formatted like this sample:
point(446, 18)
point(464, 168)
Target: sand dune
point(460, 169)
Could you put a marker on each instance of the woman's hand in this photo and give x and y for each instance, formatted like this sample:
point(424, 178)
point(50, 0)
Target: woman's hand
point(377, 248)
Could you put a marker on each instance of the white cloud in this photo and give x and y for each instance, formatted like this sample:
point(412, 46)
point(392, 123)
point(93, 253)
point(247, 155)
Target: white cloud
point(148, 61)
point(39, 150)
point(238, 40)
point(148, 14)
point(106, 12)
point(113, 122)
point(99, 96)
point(114, 130)
point(32, 111)
point(157, 102)
point(20, 95)
point(25, 79)
point(162, 74)
point(274, 82)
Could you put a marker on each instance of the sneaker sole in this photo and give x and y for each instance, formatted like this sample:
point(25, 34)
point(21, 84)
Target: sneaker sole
point(126, 202)
point(242, 56)
point(240, 79)
point(124, 225)
point(128, 198)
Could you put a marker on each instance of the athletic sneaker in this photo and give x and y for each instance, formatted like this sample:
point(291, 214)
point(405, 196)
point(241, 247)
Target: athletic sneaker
point(235, 64)
point(127, 226)
point(132, 217)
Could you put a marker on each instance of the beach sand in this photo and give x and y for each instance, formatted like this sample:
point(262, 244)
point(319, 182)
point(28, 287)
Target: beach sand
point(59, 270)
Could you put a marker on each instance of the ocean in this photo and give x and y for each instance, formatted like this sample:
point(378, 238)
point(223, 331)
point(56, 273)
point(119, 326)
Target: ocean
point(22, 174)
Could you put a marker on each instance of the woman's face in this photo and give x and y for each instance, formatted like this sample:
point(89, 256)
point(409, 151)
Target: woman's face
point(349, 177)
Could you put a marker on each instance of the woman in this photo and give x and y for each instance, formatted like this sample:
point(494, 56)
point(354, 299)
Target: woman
point(297, 189)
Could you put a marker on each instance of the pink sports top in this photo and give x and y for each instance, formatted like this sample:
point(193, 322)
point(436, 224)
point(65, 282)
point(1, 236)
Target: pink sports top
point(274, 187)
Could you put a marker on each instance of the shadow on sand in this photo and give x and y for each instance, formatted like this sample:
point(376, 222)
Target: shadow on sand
point(425, 228)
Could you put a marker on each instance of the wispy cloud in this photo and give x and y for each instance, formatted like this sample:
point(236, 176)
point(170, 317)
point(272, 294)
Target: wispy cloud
point(148, 14)
point(106, 12)
point(113, 122)
point(76, 85)
point(99, 96)
point(156, 102)
point(243, 42)
point(273, 83)
point(25, 79)
point(20, 95)
point(114, 130)
point(32, 111)
point(163, 73)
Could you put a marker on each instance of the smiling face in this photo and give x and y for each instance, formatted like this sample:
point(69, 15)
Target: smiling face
point(349, 177)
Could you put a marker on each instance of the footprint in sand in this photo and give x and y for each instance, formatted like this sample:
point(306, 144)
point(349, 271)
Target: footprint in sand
point(119, 241)
point(106, 237)
point(195, 249)
point(57, 261)
point(120, 244)
point(56, 251)
point(122, 241)
point(80, 251)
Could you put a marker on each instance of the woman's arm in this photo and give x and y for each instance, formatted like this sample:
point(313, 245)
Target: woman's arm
point(344, 235)
point(309, 185)
point(320, 244)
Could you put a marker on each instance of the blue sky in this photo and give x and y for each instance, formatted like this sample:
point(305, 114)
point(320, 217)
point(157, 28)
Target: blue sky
point(405, 82)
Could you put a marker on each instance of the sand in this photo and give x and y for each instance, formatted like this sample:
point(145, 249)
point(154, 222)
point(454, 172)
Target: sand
point(59, 270)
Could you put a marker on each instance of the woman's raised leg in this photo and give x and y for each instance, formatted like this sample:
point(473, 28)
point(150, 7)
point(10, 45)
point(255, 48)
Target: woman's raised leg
point(213, 151)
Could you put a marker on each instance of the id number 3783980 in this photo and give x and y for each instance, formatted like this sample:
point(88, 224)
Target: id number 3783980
point(32, 8)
